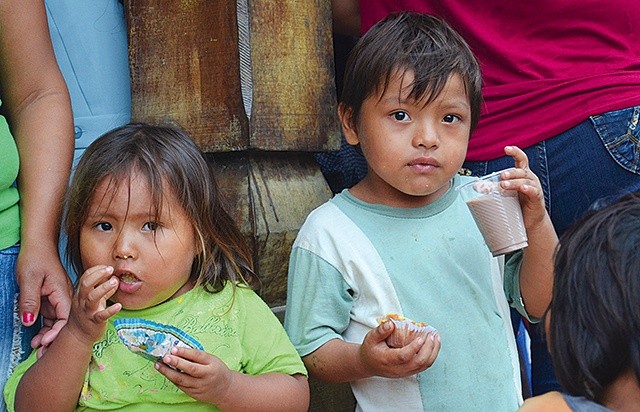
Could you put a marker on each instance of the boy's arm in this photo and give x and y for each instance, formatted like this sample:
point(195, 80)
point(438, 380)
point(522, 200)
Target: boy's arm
point(55, 381)
point(536, 271)
point(339, 361)
point(336, 361)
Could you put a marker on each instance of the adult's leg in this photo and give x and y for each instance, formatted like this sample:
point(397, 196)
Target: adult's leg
point(15, 339)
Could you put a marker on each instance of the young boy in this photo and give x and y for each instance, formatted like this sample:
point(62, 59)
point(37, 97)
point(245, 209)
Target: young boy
point(403, 241)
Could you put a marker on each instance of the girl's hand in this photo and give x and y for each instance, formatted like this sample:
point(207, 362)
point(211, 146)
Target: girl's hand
point(89, 310)
point(522, 179)
point(381, 360)
point(197, 373)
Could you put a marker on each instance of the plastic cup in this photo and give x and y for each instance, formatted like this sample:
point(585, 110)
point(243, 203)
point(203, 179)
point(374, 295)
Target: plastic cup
point(497, 213)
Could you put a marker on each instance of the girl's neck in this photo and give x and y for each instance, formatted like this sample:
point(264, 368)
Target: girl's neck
point(623, 394)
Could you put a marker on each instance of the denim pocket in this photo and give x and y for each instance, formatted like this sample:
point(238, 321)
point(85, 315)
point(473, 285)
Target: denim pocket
point(620, 133)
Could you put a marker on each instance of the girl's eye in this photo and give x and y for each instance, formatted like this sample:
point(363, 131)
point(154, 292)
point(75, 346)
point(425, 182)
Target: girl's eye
point(150, 226)
point(104, 226)
point(401, 116)
point(450, 118)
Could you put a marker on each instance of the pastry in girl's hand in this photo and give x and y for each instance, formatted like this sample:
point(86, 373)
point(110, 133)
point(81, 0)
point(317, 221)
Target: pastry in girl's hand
point(406, 330)
point(151, 339)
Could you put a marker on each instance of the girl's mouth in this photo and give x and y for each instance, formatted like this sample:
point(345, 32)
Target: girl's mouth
point(128, 278)
point(129, 283)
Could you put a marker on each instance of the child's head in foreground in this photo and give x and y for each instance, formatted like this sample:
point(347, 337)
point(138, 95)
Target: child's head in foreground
point(144, 200)
point(594, 331)
point(410, 99)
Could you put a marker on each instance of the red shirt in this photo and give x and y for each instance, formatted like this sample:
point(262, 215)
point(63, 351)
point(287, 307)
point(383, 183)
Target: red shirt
point(547, 65)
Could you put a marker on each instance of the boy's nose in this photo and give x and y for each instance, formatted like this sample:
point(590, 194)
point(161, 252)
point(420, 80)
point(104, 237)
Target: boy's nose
point(425, 136)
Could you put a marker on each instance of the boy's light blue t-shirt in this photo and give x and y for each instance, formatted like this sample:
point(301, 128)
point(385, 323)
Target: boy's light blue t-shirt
point(354, 262)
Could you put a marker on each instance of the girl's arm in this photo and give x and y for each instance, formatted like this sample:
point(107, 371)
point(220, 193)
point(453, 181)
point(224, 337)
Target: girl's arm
point(39, 113)
point(55, 381)
point(271, 391)
point(206, 378)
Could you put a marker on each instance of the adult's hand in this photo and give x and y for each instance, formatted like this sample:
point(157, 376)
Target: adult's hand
point(45, 289)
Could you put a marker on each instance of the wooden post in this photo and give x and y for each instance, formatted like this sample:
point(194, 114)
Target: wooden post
point(253, 83)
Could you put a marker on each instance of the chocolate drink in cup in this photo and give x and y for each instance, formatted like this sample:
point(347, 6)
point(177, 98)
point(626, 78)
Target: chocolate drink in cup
point(497, 213)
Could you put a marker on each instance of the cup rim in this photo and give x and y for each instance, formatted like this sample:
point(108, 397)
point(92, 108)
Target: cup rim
point(476, 178)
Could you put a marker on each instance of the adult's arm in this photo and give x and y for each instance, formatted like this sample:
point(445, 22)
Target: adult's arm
point(346, 17)
point(39, 112)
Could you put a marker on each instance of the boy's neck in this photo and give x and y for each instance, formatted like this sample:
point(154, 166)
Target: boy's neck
point(371, 193)
point(623, 394)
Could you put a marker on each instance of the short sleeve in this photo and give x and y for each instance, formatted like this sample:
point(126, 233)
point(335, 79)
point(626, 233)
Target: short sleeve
point(11, 385)
point(266, 346)
point(319, 302)
point(512, 265)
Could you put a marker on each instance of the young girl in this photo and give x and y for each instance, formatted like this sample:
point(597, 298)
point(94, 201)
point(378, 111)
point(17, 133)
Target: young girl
point(156, 249)
point(594, 323)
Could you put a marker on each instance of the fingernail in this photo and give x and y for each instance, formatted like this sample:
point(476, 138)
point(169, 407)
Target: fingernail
point(27, 317)
point(157, 365)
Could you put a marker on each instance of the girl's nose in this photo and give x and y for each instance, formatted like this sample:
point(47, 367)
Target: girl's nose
point(124, 248)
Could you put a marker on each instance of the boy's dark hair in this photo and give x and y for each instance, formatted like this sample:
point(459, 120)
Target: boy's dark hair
point(595, 321)
point(412, 41)
point(169, 160)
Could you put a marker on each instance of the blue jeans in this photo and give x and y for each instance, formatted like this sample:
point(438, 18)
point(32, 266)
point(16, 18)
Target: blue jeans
point(15, 339)
point(596, 161)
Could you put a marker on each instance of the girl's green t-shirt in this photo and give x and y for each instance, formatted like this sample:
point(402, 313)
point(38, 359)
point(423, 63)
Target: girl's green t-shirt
point(235, 325)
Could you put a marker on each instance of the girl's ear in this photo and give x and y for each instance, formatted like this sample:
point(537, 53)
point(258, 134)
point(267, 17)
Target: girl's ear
point(345, 113)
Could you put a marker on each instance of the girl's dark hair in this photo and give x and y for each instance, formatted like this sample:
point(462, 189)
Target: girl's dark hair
point(412, 41)
point(170, 160)
point(595, 321)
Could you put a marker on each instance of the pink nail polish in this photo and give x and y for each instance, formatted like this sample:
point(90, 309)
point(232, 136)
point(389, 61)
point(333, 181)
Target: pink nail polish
point(27, 317)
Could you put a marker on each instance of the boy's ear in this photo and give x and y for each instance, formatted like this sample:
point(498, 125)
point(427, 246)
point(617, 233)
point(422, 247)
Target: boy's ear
point(345, 113)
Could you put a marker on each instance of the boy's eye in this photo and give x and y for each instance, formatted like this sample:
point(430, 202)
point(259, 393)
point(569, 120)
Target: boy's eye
point(104, 226)
point(401, 116)
point(150, 226)
point(450, 118)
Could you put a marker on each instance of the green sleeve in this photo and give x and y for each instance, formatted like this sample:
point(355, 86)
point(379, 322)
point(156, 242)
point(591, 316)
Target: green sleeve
point(319, 302)
point(512, 265)
point(11, 385)
point(266, 346)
